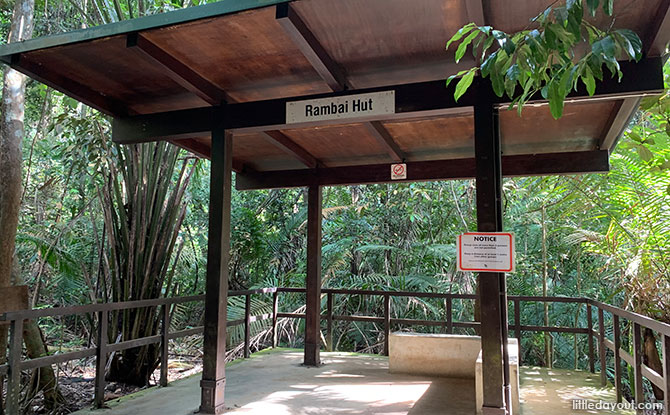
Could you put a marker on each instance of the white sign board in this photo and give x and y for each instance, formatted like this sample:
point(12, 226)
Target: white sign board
point(398, 171)
point(485, 252)
point(337, 108)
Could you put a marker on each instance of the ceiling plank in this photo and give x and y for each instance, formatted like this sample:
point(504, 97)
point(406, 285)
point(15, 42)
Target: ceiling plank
point(310, 47)
point(618, 122)
point(177, 70)
point(93, 99)
point(285, 143)
point(381, 134)
point(521, 165)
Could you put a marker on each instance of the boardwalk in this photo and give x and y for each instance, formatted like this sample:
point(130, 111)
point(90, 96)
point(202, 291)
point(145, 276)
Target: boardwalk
point(275, 383)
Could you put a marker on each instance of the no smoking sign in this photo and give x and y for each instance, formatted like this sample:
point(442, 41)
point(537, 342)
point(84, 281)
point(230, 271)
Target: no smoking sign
point(399, 171)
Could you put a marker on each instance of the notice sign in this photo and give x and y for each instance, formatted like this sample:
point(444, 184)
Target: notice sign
point(398, 171)
point(337, 108)
point(486, 252)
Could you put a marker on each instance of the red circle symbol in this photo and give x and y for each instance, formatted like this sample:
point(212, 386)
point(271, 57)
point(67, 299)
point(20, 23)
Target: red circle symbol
point(398, 169)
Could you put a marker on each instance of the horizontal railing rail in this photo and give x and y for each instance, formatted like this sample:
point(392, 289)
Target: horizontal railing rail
point(102, 349)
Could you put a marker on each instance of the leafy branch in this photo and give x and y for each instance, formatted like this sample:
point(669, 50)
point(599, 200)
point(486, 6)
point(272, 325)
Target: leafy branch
point(563, 49)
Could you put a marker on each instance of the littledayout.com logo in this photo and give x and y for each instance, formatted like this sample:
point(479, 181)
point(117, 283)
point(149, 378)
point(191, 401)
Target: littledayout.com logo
point(604, 406)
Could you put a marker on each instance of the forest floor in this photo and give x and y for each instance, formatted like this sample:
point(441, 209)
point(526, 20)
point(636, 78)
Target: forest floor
point(76, 380)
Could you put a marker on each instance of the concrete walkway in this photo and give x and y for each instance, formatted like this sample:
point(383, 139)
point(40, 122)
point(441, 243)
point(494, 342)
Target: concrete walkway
point(274, 383)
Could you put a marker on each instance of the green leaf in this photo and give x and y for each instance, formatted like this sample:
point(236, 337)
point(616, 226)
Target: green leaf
point(463, 85)
point(458, 75)
point(665, 165)
point(668, 190)
point(604, 47)
point(556, 97)
point(608, 6)
point(462, 32)
point(634, 43)
point(513, 72)
point(593, 6)
point(589, 81)
point(463, 47)
point(644, 153)
point(635, 137)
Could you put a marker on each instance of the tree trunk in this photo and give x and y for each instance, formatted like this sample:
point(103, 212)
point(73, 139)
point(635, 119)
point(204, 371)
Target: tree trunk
point(12, 131)
point(652, 360)
point(11, 135)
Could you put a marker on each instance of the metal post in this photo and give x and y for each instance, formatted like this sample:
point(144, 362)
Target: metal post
point(247, 325)
point(602, 350)
point(14, 363)
point(489, 213)
point(589, 324)
point(666, 375)
point(313, 292)
point(387, 323)
point(218, 256)
point(101, 358)
point(617, 359)
point(448, 305)
point(165, 339)
point(638, 358)
point(275, 310)
point(329, 323)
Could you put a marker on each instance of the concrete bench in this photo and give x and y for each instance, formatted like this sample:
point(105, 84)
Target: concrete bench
point(448, 355)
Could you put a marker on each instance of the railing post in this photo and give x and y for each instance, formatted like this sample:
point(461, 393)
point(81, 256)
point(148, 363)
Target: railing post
point(517, 325)
point(14, 362)
point(329, 322)
point(247, 325)
point(638, 359)
point(601, 347)
point(589, 324)
point(165, 331)
point(617, 359)
point(101, 359)
point(275, 311)
point(387, 323)
point(666, 375)
point(448, 305)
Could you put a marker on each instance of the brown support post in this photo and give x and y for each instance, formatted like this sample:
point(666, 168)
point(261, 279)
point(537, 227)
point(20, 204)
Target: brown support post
point(602, 350)
point(275, 310)
point(329, 323)
point(313, 292)
point(14, 361)
point(448, 305)
point(101, 359)
point(666, 375)
point(164, 345)
point(218, 256)
point(617, 359)
point(589, 324)
point(387, 323)
point(247, 325)
point(489, 219)
point(638, 356)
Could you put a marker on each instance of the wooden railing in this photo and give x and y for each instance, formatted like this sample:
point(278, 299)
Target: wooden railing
point(16, 364)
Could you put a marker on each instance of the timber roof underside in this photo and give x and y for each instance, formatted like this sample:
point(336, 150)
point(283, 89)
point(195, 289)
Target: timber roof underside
point(250, 51)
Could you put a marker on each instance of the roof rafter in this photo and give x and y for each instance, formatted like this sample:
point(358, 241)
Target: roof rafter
point(284, 142)
point(618, 123)
point(658, 35)
point(332, 73)
point(177, 70)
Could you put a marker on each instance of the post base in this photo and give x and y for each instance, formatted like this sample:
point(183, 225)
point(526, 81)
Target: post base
point(212, 396)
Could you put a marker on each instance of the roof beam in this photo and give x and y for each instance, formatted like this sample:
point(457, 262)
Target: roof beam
point(522, 165)
point(620, 119)
point(310, 47)
point(204, 151)
point(285, 143)
point(659, 33)
point(412, 100)
point(383, 137)
point(176, 70)
point(475, 12)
